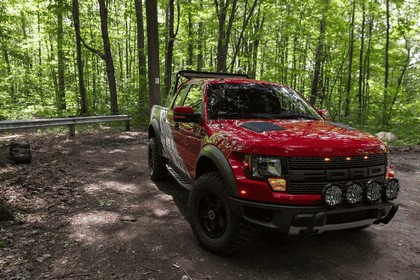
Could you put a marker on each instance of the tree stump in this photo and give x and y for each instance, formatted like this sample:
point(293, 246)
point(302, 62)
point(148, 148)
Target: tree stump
point(20, 152)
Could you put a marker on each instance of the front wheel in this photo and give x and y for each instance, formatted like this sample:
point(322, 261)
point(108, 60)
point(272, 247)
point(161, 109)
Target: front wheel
point(157, 163)
point(214, 224)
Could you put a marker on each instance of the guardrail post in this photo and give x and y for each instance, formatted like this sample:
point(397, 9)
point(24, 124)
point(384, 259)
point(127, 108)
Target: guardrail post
point(72, 130)
point(127, 125)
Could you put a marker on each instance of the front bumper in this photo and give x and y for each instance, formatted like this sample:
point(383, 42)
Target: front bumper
point(311, 219)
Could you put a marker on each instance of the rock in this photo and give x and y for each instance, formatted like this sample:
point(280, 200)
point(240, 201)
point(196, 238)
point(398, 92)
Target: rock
point(387, 136)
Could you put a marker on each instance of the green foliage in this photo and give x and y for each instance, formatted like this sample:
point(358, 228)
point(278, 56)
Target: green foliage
point(279, 44)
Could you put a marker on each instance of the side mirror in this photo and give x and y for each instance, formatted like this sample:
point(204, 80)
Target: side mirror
point(324, 114)
point(186, 114)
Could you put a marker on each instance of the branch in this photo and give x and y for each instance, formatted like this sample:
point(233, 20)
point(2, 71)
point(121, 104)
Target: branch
point(77, 25)
point(93, 50)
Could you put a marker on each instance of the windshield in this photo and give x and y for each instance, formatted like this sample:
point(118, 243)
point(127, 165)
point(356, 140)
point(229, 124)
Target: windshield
point(249, 101)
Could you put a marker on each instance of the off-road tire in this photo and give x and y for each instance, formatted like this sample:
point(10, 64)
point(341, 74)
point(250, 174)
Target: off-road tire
point(157, 163)
point(208, 199)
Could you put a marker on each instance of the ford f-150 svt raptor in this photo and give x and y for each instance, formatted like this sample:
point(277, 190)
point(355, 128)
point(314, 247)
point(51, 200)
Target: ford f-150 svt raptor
point(257, 154)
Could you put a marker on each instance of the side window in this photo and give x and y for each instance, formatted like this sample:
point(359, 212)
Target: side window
point(194, 97)
point(181, 95)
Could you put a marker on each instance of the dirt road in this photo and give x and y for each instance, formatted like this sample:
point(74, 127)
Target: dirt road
point(86, 209)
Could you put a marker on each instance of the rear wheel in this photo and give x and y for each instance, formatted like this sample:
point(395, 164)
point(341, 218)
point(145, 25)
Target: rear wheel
point(157, 163)
point(214, 224)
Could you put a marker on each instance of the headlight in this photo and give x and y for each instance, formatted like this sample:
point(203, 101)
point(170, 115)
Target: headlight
point(266, 167)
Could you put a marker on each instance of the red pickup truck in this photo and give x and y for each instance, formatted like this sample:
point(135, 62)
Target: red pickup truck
point(256, 154)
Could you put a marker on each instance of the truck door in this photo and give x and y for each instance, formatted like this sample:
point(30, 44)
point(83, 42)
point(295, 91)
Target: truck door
point(187, 136)
point(171, 131)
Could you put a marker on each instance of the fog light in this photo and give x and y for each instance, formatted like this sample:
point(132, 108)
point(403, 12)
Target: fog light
point(277, 184)
point(332, 195)
point(391, 189)
point(354, 193)
point(373, 191)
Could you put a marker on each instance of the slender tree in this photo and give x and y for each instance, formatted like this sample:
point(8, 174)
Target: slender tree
point(82, 90)
point(384, 120)
point(350, 65)
point(61, 98)
point(109, 61)
point(141, 58)
point(223, 40)
point(169, 46)
point(319, 56)
point(361, 70)
point(153, 52)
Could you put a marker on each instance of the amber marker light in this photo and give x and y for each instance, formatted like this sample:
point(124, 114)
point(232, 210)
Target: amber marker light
point(366, 157)
point(327, 159)
point(278, 184)
point(348, 158)
point(243, 192)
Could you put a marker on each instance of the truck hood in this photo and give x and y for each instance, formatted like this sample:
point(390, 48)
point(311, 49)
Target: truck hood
point(292, 138)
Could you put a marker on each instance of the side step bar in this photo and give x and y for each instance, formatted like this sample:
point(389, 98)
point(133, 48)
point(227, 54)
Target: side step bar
point(184, 182)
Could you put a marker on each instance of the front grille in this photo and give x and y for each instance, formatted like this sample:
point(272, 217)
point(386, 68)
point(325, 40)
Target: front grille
point(309, 175)
point(349, 217)
point(336, 162)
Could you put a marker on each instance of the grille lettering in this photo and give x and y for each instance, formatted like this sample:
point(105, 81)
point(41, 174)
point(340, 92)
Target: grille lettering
point(336, 174)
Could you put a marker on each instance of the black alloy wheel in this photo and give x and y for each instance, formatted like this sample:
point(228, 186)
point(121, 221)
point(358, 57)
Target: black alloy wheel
point(212, 215)
point(214, 224)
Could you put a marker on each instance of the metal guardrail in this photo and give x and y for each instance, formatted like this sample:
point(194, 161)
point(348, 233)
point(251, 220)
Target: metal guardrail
point(70, 122)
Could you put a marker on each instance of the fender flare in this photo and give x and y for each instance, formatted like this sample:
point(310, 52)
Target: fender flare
point(218, 158)
point(154, 125)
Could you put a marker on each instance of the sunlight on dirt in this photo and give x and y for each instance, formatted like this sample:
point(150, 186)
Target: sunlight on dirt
point(105, 186)
point(84, 226)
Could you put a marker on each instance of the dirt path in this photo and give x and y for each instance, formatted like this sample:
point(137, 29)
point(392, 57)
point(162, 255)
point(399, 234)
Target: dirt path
point(86, 209)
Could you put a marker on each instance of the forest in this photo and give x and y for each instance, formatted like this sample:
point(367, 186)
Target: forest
point(359, 59)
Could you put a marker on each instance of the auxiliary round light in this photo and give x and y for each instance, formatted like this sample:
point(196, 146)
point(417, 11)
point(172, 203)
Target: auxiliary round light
point(354, 193)
point(373, 191)
point(333, 195)
point(391, 189)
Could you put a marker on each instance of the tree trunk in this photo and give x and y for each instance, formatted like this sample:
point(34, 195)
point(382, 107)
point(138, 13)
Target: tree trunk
point(200, 56)
point(141, 58)
point(109, 62)
point(9, 73)
point(153, 52)
point(400, 79)
point(366, 66)
point(61, 98)
point(385, 99)
point(82, 90)
point(224, 33)
point(350, 66)
point(255, 45)
point(361, 71)
point(319, 58)
point(241, 35)
point(169, 47)
point(190, 37)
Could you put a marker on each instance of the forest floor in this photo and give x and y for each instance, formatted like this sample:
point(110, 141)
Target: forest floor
point(85, 208)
